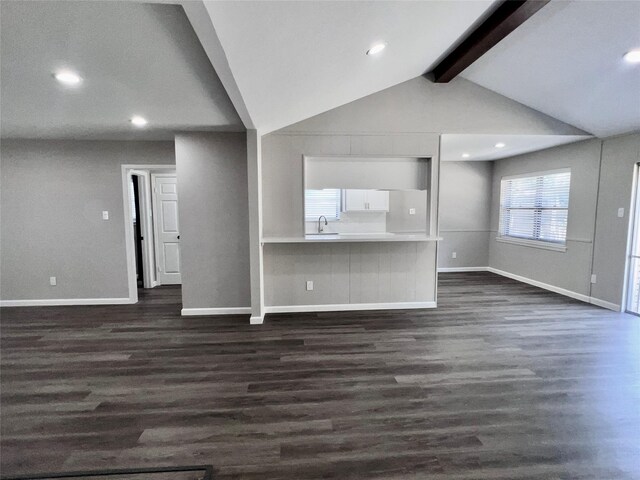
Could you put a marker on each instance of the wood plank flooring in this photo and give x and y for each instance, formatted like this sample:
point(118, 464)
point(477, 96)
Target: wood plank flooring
point(502, 381)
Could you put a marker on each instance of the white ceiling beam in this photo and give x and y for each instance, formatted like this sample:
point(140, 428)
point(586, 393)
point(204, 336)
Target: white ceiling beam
point(200, 19)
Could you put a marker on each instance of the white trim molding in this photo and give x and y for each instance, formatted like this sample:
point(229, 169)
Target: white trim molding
point(53, 302)
point(553, 288)
point(343, 307)
point(190, 312)
point(256, 320)
point(545, 286)
point(604, 304)
point(523, 242)
point(462, 269)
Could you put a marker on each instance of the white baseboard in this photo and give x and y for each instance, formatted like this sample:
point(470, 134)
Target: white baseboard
point(340, 307)
point(546, 286)
point(605, 304)
point(256, 320)
point(189, 312)
point(462, 269)
point(54, 302)
point(553, 288)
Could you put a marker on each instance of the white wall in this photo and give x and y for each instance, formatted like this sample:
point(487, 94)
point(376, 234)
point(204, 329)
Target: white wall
point(52, 197)
point(214, 223)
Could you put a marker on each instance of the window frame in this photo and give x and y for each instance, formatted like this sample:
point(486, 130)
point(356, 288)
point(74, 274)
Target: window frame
point(533, 242)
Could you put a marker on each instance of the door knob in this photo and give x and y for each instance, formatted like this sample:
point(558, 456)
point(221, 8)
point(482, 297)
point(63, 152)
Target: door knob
point(178, 237)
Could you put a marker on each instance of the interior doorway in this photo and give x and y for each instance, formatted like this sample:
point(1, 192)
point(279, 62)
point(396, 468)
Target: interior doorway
point(134, 196)
point(151, 227)
point(632, 293)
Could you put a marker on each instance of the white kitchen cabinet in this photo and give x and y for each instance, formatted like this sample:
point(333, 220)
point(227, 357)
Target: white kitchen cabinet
point(354, 200)
point(378, 200)
point(366, 200)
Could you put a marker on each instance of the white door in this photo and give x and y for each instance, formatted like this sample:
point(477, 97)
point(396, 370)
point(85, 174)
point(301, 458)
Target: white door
point(165, 216)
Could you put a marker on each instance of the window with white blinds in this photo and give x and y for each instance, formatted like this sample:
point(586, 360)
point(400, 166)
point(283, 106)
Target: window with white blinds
point(322, 202)
point(535, 207)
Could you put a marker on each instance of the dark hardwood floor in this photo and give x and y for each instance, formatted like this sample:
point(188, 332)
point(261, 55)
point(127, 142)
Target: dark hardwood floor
point(502, 381)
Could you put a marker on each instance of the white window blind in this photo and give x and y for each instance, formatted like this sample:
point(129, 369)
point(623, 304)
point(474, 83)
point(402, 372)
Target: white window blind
point(536, 207)
point(322, 202)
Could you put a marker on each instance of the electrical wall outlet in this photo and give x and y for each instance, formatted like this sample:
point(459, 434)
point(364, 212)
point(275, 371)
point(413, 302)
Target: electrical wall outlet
point(454, 255)
point(105, 215)
point(621, 212)
point(52, 281)
point(593, 278)
point(309, 285)
point(412, 211)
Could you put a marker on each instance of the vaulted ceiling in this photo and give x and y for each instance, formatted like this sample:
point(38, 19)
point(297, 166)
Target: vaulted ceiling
point(294, 60)
point(269, 64)
point(566, 61)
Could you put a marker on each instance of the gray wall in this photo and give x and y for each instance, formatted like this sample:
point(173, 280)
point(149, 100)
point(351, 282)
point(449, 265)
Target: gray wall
point(398, 218)
point(342, 273)
point(282, 168)
point(213, 208)
point(601, 182)
point(619, 155)
point(570, 270)
point(465, 213)
point(348, 273)
point(52, 197)
point(420, 105)
point(403, 120)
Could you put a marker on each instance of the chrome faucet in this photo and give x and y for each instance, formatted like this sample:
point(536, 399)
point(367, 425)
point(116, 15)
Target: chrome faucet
point(320, 228)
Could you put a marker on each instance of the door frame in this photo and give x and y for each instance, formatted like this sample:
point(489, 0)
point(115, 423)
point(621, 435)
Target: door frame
point(146, 228)
point(148, 260)
point(633, 229)
point(156, 233)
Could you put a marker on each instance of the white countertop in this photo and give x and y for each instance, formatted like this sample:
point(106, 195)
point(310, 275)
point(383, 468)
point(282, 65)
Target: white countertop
point(353, 237)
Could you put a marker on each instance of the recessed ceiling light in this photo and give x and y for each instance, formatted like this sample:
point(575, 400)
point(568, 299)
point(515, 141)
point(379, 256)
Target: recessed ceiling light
point(500, 145)
point(138, 121)
point(465, 155)
point(67, 77)
point(377, 48)
point(632, 56)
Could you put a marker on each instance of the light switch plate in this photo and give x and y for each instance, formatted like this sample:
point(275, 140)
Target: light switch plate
point(309, 284)
point(454, 255)
point(52, 281)
point(412, 211)
point(593, 278)
point(621, 212)
point(105, 215)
